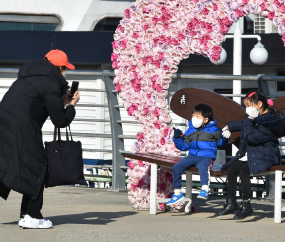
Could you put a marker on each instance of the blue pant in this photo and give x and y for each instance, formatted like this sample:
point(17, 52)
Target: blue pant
point(202, 164)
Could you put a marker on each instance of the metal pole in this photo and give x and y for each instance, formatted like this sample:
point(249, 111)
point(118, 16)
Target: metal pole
point(237, 61)
point(118, 178)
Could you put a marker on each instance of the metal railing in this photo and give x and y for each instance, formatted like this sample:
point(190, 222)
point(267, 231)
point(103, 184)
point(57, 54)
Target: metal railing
point(117, 136)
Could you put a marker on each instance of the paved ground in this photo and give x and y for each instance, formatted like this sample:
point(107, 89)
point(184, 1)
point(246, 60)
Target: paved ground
point(88, 214)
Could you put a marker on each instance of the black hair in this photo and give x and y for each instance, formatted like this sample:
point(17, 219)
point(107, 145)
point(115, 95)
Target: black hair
point(256, 96)
point(205, 110)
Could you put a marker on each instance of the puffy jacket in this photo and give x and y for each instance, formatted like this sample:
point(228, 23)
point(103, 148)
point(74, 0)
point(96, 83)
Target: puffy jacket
point(202, 141)
point(35, 95)
point(259, 138)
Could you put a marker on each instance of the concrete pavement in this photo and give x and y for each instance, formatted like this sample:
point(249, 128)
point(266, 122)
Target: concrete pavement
point(89, 214)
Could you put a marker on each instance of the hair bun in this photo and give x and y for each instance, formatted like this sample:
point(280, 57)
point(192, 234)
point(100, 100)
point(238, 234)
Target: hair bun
point(270, 102)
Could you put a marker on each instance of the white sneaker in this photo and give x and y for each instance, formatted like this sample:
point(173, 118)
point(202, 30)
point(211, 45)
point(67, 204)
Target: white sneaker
point(33, 223)
point(21, 222)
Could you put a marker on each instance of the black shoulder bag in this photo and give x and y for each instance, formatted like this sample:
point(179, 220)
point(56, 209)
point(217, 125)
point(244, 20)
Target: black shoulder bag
point(64, 161)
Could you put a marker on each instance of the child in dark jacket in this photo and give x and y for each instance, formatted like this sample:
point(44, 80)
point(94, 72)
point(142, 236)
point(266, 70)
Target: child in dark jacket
point(258, 149)
point(201, 139)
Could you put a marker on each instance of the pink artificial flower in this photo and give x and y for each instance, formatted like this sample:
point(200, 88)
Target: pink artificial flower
point(134, 186)
point(263, 6)
point(145, 10)
point(136, 34)
point(227, 22)
point(114, 56)
point(162, 141)
point(205, 11)
point(238, 13)
point(146, 27)
point(140, 183)
point(157, 124)
point(157, 63)
point(137, 87)
point(165, 67)
point(140, 136)
point(138, 48)
point(283, 39)
point(217, 49)
point(131, 165)
point(146, 110)
point(271, 15)
point(124, 43)
point(162, 206)
point(282, 9)
point(115, 65)
point(132, 108)
point(121, 28)
point(133, 67)
point(127, 13)
point(115, 44)
point(148, 95)
point(156, 112)
point(164, 9)
point(162, 186)
point(277, 3)
point(166, 131)
point(141, 163)
point(223, 29)
point(215, 7)
point(215, 57)
point(118, 87)
point(155, 19)
point(168, 176)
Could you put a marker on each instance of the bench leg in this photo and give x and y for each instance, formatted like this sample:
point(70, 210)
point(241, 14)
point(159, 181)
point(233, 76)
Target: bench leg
point(153, 188)
point(278, 196)
point(188, 191)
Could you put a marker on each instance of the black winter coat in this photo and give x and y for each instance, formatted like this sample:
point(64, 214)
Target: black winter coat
point(259, 138)
point(35, 95)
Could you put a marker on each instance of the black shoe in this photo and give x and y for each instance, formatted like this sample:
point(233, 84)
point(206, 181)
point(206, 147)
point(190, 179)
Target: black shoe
point(244, 210)
point(229, 207)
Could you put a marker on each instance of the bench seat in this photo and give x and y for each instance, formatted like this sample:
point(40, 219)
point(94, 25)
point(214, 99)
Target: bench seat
point(169, 161)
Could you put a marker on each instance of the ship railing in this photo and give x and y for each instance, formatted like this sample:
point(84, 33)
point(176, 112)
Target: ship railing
point(118, 167)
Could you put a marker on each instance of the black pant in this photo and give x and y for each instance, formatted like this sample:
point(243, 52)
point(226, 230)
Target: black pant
point(239, 168)
point(32, 208)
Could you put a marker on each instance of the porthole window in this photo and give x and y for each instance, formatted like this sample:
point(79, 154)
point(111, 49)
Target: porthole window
point(107, 24)
point(29, 22)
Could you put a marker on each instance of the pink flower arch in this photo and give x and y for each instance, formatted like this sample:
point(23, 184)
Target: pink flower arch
point(150, 41)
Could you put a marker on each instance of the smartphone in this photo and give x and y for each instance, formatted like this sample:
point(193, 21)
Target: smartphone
point(74, 87)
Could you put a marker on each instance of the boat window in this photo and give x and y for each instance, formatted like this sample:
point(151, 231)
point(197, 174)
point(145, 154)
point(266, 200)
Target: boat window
point(107, 24)
point(280, 85)
point(29, 22)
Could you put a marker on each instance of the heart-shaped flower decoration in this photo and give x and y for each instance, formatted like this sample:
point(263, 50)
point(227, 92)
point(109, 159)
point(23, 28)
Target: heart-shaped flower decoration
point(150, 41)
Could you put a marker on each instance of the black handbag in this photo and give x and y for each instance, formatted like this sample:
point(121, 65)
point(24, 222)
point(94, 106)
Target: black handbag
point(64, 161)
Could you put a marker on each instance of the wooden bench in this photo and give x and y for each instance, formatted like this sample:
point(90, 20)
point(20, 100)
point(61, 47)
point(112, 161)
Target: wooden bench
point(169, 161)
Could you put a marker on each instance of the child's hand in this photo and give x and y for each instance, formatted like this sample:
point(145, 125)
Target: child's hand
point(177, 133)
point(226, 133)
point(225, 128)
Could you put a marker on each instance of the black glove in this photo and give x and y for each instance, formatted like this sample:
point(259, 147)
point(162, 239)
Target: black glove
point(177, 133)
point(224, 167)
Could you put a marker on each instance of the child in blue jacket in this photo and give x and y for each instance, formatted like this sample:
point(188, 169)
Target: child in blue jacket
point(201, 139)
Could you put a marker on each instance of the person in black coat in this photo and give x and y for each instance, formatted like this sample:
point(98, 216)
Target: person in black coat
point(258, 149)
point(40, 91)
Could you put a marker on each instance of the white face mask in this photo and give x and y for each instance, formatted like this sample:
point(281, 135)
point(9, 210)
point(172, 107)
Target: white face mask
point(252, 111)
point(64, 74)
point(197, 123)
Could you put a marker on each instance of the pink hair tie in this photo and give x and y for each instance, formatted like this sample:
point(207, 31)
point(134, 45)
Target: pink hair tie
point(270, 102)
point(251, 94)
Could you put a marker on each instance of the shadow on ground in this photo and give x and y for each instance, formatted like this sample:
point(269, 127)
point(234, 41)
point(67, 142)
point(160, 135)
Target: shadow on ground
point(260, 210)
point(91, 218)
